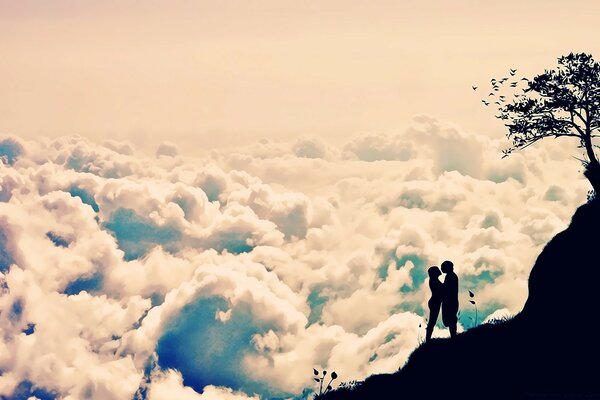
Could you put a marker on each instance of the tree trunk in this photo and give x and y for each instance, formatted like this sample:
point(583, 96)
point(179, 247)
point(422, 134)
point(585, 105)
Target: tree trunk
point(592, 173)
point(592, 169)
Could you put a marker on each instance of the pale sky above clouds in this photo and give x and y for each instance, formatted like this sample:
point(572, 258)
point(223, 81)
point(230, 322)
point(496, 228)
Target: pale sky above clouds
point(205, 74)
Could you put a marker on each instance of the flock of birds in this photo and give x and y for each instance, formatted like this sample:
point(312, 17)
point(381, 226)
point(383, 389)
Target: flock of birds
point(497, 84)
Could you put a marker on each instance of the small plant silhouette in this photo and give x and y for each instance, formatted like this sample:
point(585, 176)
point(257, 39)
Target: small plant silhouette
point(591, 196)
point(349, 385)
point(420, 339)
point(472, 301)
point(319, 379)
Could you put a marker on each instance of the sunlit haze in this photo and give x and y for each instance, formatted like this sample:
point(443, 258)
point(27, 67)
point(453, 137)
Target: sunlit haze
point(207, 73)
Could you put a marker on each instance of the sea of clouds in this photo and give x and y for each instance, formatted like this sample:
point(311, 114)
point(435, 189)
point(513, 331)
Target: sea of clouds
point(230, 276)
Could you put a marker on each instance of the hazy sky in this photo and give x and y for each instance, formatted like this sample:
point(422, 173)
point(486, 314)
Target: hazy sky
point(213, 73)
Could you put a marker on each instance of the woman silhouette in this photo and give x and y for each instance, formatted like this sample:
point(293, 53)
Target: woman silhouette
point(434, 303)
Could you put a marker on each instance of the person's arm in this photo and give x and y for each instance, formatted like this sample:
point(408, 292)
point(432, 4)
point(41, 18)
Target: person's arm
point(439, 286)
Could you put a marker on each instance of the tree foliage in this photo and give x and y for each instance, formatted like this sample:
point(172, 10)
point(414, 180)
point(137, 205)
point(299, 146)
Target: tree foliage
point(562, 102)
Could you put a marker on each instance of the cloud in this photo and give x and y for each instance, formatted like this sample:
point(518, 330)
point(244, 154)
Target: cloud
point(381, 148)
point(215, 352)
point(233, 275)
point(310, 148)
point(498, 315)
point(169, 385)
point(167, 149)
point(10, 150)
point(121, 147)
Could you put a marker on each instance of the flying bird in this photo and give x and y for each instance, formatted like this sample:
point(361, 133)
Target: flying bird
point(485, 102)
point(474, 87)
point(512, 72)
point(513, 84)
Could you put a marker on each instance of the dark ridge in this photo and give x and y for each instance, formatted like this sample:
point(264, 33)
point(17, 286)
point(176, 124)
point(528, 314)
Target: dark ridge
point(548, 351)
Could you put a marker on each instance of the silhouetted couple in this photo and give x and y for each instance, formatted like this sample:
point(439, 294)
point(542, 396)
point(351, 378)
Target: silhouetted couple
point(444, 295)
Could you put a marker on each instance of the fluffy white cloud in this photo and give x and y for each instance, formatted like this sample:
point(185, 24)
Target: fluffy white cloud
point(232, 276)
point(167, 149)
point(311, 148)
point(169, 386)
point(498, 315)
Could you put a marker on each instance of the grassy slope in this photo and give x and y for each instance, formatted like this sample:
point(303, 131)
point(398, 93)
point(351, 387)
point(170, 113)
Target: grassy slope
point(549, 350)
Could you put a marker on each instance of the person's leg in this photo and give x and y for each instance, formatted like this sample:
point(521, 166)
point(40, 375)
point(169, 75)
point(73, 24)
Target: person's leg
point(452, 328)
point(434, 311)
point(454, 321)
point(428, 333)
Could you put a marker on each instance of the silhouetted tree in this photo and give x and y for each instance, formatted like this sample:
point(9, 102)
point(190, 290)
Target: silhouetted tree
point(561, 102)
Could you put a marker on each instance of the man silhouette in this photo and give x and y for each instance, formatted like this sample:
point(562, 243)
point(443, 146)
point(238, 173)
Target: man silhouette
point(450, 301)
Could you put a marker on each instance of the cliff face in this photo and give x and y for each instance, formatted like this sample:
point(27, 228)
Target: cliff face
point(565, 279)
point(550, 350)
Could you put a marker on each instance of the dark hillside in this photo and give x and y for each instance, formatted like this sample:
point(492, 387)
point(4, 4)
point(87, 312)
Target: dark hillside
point(551, 350)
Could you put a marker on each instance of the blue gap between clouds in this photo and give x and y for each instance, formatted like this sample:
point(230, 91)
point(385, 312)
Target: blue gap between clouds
point(16, 310)
point(209, 352)
point(10, 150)
point(233, 242)
point(85, 196)
point(418, 274)
point(137, 235)
point(90, 283)
point(211, 188)
point(6, 259)
point(316, 302)
point(58, 240)
point(27, 389)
